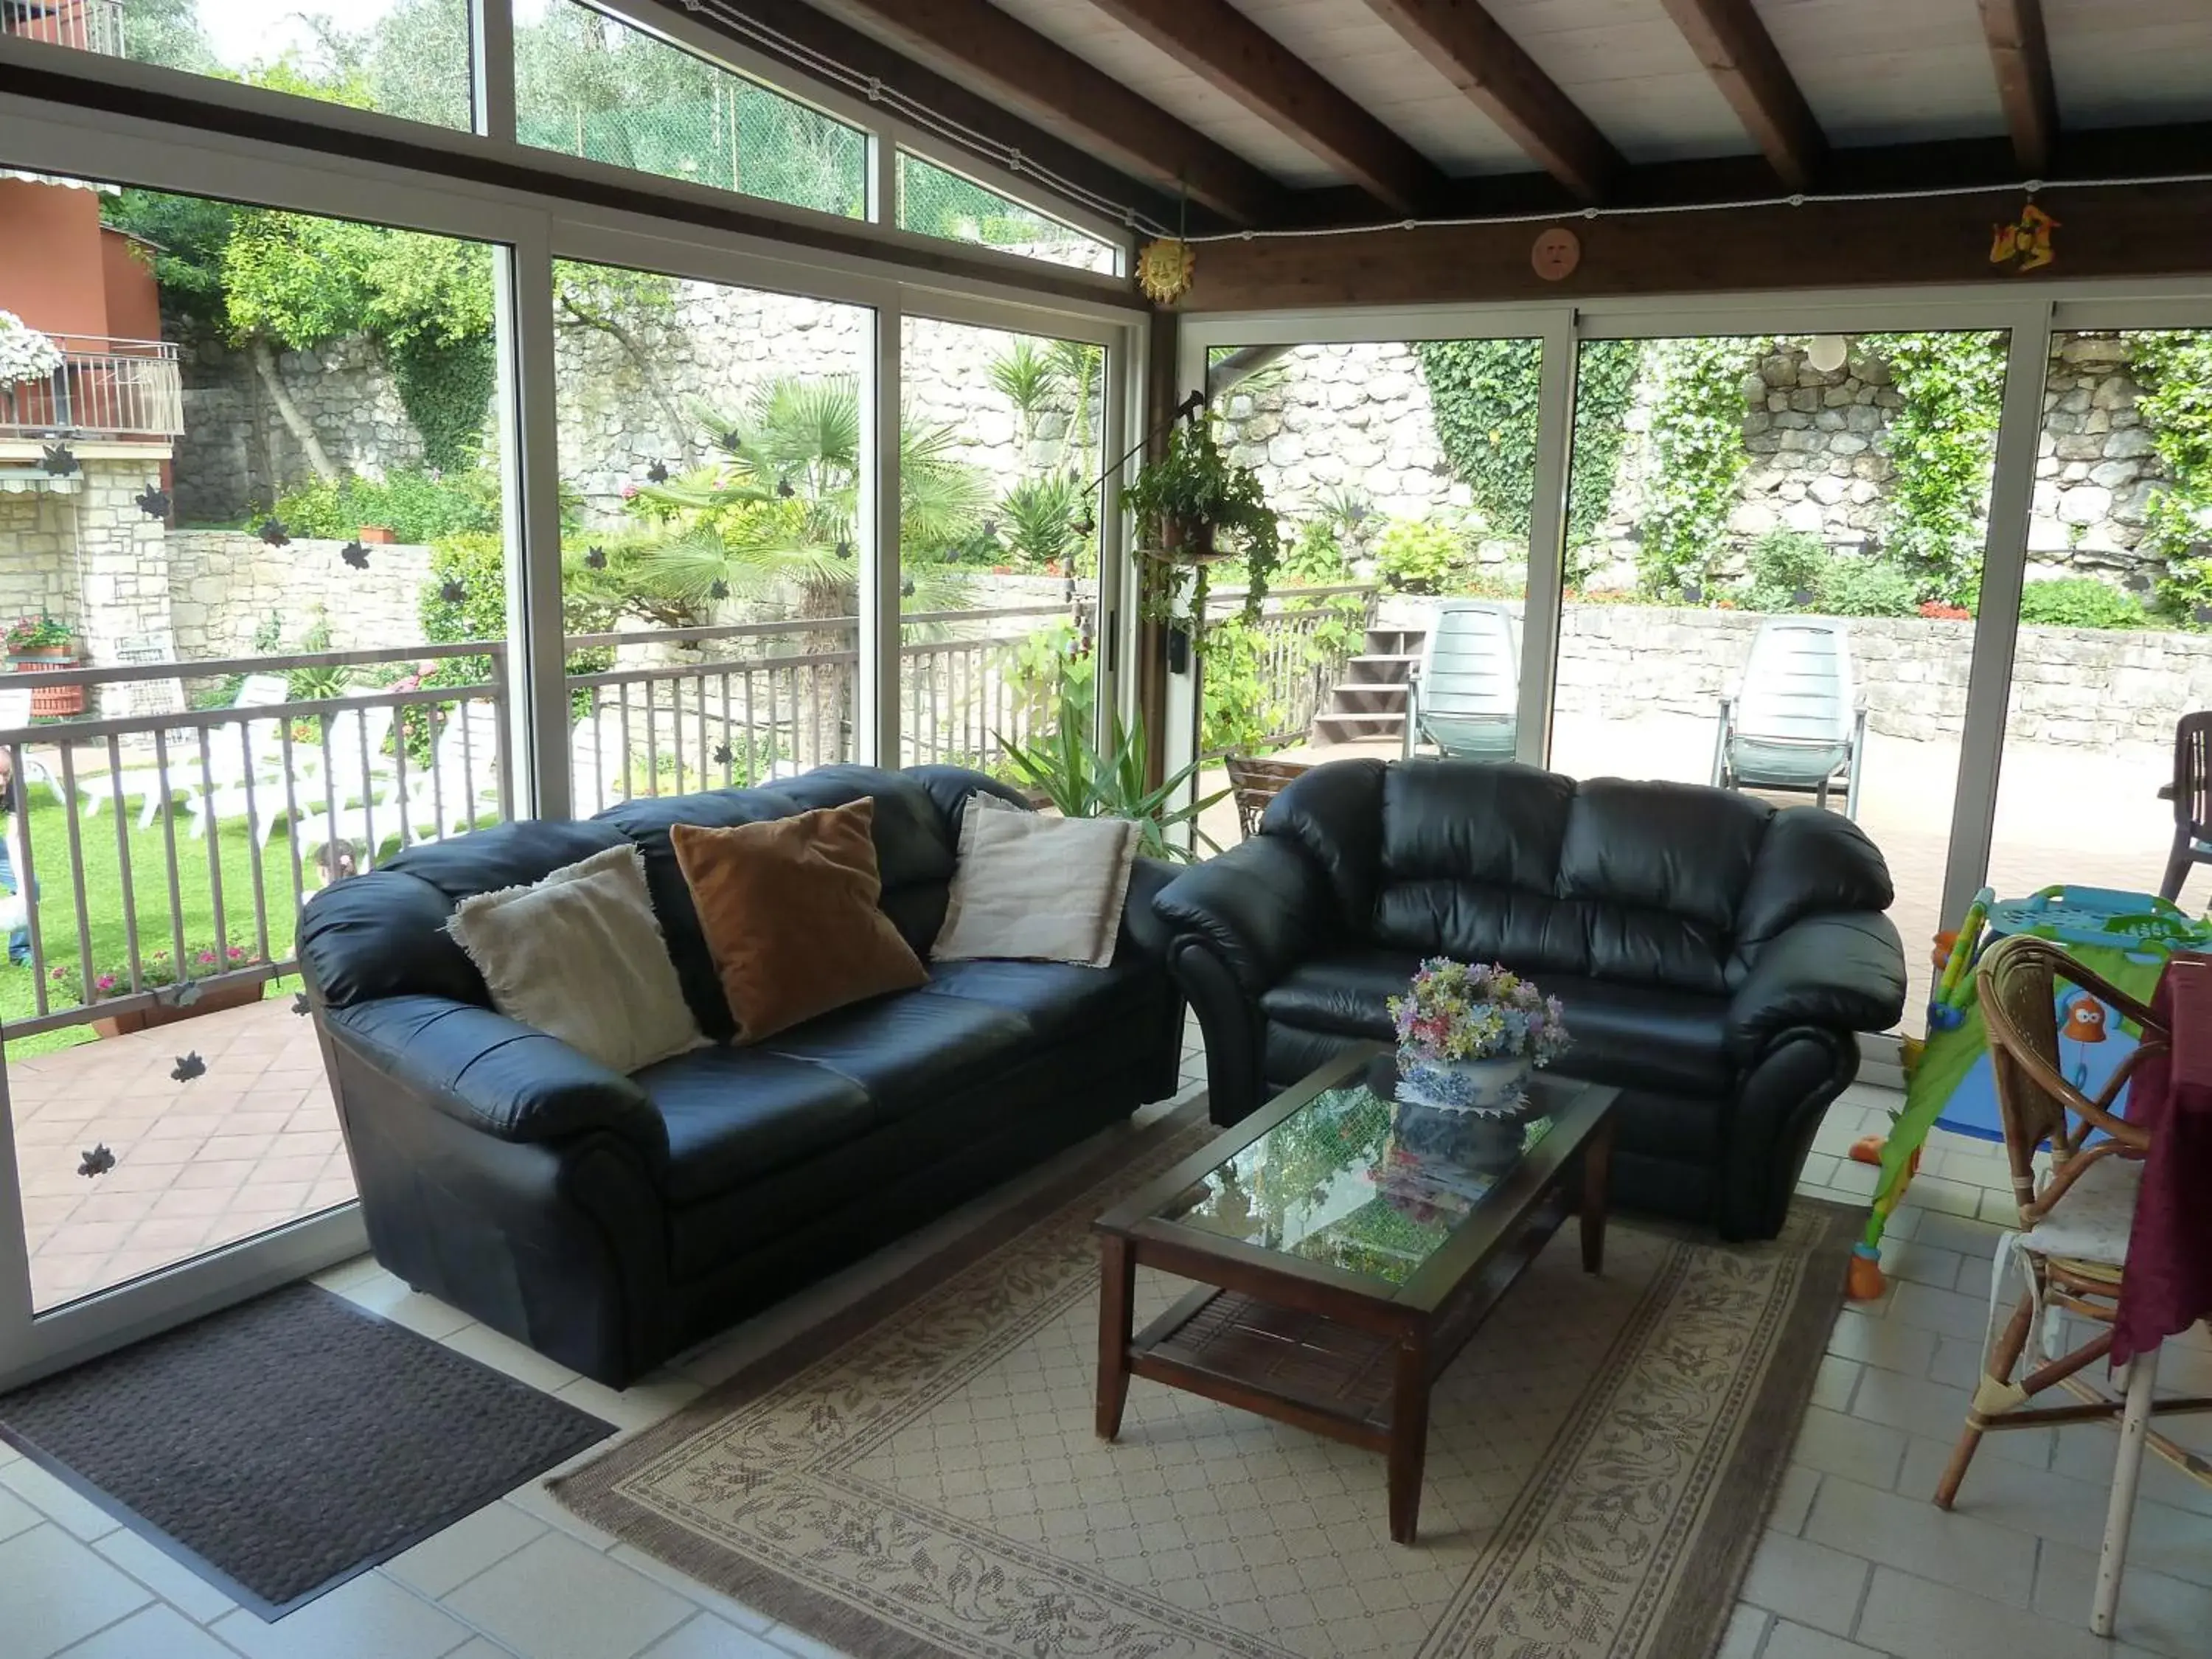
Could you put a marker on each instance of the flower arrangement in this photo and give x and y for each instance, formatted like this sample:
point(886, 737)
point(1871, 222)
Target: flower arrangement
point(202, 961)
point(1455, 1012)
point(38, 633)
point(25, 353)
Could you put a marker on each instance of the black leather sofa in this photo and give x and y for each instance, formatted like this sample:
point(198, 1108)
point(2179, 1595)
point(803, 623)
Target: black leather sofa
point(1715, 953)
point(610, 1222)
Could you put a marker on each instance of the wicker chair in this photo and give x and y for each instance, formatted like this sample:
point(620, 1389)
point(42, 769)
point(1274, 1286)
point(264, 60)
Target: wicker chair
point(2072, 1244)
point(1254, 783)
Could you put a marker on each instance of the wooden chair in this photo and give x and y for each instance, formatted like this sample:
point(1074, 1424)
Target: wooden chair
point(2191, 791)
point(1255, 783)
point(2072, 1245)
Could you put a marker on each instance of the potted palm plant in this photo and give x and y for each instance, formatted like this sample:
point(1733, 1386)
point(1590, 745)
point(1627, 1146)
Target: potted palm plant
point(1196, 508)
point(1079, 779)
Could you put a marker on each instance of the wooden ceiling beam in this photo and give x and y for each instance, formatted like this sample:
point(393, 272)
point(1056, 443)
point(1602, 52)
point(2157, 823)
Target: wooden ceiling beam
point(1234, 54)
point(1489, 65)
point(1733, 44)
point(1020, 69)
point(2019, 50)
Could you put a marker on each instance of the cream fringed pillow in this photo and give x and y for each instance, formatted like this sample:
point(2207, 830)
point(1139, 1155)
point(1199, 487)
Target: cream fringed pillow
point(580, 955)
point(1036, 888)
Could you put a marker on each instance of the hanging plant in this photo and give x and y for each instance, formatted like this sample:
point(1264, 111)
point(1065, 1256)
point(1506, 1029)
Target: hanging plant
point(25, 353)
point(1195, 509)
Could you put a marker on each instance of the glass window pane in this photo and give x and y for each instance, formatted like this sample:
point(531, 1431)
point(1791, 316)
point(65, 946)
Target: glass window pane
point(998, 543)
point(251, 490)
point(1748, 510)
point(712, 451)
point(587, 85)
point(1404, 471)
point(2115, 642)
point(938, 202)
point(405, 57)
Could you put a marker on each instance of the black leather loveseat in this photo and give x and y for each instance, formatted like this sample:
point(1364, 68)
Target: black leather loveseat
point(608, 1221)
point(1715, 953)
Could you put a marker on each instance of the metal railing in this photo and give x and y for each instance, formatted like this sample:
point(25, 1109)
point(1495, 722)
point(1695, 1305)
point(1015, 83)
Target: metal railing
point(104, 388)
point(87, 25)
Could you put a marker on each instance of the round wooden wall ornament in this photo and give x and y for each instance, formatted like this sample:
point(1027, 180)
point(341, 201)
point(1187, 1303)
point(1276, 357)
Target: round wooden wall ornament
point(1556, 254)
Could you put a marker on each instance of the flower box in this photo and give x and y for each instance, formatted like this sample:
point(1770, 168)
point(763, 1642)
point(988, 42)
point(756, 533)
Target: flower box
point(212, 999)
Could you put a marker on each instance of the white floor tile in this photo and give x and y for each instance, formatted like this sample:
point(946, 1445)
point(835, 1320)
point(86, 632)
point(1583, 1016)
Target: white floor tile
point(1919, 1263)
point(15, 1515)
point(1938, 1412)
point(1791, 1641)
point(636, 1407)
point(55, 1591)
point(1835, 1444)
point(366, 1617)
point(1834, 1383)
point(168, 1579)
point(1806, 1582)
point(554, 1599)
point(805, 1646)
point(379, 1292)
point(1884, 1342)
point(689, 1589)
point(2163, 1614)
point(348, 1275)
point(480, 1647)
point(442, 1563)
point(1911, 1535)
point(1747, 1629)
point(708, 1637)
point(157, 1632)
point(1793, 1498)
point(504, 1354)
point(60, 1503)
point(1916, 1619)
point(533, 1500)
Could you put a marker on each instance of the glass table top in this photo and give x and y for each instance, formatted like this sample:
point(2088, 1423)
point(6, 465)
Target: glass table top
point(1360, 1182)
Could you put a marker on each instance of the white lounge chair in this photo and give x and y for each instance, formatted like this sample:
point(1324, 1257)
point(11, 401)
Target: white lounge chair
point(1465, 693)
point(462, 782)
point(1798, 720)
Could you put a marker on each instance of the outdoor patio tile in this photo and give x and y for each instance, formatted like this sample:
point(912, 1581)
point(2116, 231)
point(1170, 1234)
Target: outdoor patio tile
point(224, 1173)
point(126, 1265)
point(261, 1197)
point(280, 1167)
point(97, 1206)
point(168, 1149)
point(196, 1123)
point(328, 1193)
point(193, 1200)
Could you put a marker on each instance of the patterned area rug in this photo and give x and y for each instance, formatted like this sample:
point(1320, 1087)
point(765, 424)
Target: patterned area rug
point(919, 1477)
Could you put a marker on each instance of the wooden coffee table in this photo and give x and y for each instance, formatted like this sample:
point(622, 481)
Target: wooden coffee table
point(1346, 1249)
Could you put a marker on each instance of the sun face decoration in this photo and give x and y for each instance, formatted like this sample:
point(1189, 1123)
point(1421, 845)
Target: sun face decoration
point(1164, 267)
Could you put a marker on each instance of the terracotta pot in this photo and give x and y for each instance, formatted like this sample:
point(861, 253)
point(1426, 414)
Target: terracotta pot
point(378, 535)
point(49, 701)
point(213, 1000)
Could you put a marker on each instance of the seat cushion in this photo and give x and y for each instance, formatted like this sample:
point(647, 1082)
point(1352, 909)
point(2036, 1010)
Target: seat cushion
point(1056, 999)
point(1345, 994)
point(2092, 1222)
point(735, 1114)
point(909, 1048)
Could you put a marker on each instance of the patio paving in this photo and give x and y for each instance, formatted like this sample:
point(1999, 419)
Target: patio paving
point(252, 1144)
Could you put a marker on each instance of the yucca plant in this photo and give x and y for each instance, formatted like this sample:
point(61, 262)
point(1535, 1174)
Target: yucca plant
point(1083, 780)
point(1038, 518)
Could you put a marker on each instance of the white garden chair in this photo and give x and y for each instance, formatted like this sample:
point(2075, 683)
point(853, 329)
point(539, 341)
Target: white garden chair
point(595, 763)
point(461, 784)
point(180, 777)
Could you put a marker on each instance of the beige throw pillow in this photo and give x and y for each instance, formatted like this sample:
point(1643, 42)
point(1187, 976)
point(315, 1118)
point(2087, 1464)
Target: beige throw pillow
point(1036, 888)
point(580, 955)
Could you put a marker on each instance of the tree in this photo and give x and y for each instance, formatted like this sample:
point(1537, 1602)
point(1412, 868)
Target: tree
point(629, 308)
point(168, 32)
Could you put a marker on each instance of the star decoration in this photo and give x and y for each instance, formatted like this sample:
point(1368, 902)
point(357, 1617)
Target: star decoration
point(274, 532)
point(991, 528)
point(906, 588)
point(657, 473)
point(97, 1162)
point(185, 995)
point(783, 489)
point(595, 558)
point(299, 1003)
point(454, 590)
point(153, 502)
point(354, 554)
point(188, 1067)
point(722, 755)
point(844, 549)
point(718, 589)
point(59, 460)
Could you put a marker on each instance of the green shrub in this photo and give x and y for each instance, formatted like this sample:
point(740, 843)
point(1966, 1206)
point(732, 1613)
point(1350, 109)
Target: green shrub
point(1785, 560)
point(1858, 587)
point(2078, 602)
point(1419, 555)
point(417, 506)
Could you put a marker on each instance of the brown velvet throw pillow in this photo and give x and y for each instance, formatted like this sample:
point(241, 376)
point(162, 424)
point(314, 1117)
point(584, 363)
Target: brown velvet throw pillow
point(789, 910)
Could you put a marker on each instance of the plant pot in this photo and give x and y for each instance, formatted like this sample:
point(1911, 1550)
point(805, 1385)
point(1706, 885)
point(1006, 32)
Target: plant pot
point(1497, 1086)
point(1434, 1136)
point(214, 998)
point(377, 535)
point(1182, 543)
point(49, 701)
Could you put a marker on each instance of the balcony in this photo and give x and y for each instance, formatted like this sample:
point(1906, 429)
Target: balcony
point(87, 25)
point(128, 391)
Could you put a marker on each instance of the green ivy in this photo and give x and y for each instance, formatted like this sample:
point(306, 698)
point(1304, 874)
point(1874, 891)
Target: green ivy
point(2174, 370)
point(446, 387)
point(1941, 445)
point(1485, 394)
point(1698, 456)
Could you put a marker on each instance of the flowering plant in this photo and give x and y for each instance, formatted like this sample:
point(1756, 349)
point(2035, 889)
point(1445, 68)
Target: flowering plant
point(41, 632)
point(25, 353)
point(202, 961)
point(1454, 1011)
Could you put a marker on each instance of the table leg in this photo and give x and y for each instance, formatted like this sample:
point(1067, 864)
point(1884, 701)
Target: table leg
point(1117, 1289)
point(1597, 1171)
point(1409, 1438)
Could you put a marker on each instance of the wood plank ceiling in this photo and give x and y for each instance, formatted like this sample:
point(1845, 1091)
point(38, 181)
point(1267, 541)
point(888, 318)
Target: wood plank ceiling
point(1308, 112)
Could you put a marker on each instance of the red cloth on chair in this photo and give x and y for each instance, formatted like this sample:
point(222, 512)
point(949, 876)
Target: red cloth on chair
point(2168, 1283)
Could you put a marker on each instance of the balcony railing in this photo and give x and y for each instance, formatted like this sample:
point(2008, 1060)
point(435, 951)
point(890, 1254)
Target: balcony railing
point(123, 389)
point(87, 25)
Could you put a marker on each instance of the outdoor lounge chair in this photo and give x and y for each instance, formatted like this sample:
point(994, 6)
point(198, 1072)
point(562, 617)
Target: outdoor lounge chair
point(180, 777)
point(1464, 696)
point(1797, 721)
point(462, 782)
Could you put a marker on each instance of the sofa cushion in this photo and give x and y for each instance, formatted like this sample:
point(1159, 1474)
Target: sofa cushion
point(736, 1115)
point(909, 1048)
point(1055, 998)
point(1346, 994)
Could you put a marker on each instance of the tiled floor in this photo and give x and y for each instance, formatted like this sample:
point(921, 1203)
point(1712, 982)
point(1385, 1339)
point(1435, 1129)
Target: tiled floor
point(249, 1145)
point(1855, 1563)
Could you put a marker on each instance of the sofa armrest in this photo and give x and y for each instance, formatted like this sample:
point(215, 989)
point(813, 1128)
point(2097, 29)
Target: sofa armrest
point(1142, 928)
point(1262, 906)
point(1844, 972)
point(497, 1075)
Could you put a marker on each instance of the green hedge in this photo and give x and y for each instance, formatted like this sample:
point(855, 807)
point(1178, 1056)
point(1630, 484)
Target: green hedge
point(416, 505)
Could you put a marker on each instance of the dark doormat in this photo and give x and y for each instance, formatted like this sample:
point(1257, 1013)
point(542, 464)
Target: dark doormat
point(281, 1447)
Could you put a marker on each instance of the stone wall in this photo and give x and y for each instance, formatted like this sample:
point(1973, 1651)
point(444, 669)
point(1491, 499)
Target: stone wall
point(2090, 688)
point(38, 553)
point(225, 585)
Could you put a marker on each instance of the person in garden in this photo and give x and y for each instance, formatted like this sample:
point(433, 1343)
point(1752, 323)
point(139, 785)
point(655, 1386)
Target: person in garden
point(15, 911)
